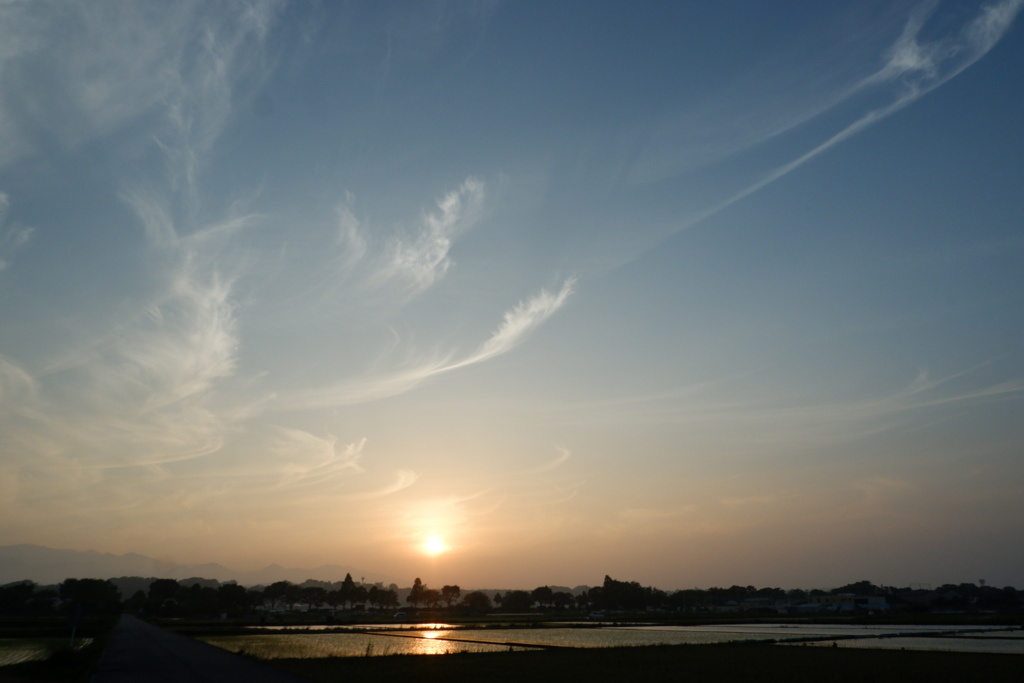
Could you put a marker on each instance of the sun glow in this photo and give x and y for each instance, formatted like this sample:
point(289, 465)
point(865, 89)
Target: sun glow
point(434, 545)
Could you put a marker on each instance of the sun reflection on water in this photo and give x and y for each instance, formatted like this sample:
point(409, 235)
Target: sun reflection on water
point(433, 643)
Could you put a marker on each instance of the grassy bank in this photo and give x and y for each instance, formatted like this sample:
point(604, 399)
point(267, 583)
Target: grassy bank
point(65, 665)
point(694, 664)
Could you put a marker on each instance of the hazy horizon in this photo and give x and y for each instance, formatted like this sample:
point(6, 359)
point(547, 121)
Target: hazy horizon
point(498, 293)
point(48, 570)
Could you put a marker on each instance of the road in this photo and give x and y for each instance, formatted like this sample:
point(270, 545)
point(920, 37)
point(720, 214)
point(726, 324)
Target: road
point(139, 652)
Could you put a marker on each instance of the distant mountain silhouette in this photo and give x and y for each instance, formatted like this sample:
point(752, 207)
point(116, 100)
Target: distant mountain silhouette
point(49, 565)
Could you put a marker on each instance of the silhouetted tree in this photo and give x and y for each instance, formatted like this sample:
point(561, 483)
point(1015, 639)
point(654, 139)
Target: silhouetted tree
point(858, 588)
point(348, 590)
point(432, 598)
point(198, 600)
point(625, 595)
point(561, 600)
point(292, 595)
point(542, 595)
point(517, 601)
point(450, 594)
point(476, 602)
point(334, 598)
point(389, 598)
point(279, 591)
point(163, 597)
point(43, 601)
point(14, 598)
point(314, 596)
point(373, 596)
point(255, 597)
point(233, 600)
point(359, 594)
point(90, 596)
point(136, 603)
point(656, 598)
point(416, 594)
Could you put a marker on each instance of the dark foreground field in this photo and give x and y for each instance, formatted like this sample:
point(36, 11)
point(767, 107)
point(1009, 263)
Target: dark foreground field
point(689, 663)
point(65, 666)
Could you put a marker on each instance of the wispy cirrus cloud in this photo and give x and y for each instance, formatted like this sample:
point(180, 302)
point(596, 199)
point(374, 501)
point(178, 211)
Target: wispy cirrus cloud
point(563, 457)
point(307, 459)
point(216, 57)
point(417, 261)
point(118, 62)
point(142, 393)
point(913, 67)
point(15, 384)
point(12, 237)
point(365, 267)
point(403, 479)
point(736, 127)
point(147, 390)
point(518, 323)
point(736, 413)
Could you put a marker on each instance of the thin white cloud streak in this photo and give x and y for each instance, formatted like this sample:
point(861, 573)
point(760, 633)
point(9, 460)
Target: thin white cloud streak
point(365, 391)
point(293, 468)
point(403, 480)
point(707, 414)
point(370, 270)
point(350, 238)
point(288, 459)
point(16, 385)
point(914, 67)
point(121, 61)
point(153, 391)
point(144, 393)
point(563, 457)
point(518, 323)
point(416, 262)
point(311, 460)
point(151, 384)
point(193, 341)
point(224, 51)
point(12, 237)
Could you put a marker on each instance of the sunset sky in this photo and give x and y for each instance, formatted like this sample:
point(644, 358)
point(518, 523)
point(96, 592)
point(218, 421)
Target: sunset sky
point(686, 293)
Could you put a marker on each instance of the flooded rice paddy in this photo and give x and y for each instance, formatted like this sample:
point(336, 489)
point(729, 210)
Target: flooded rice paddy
point(436, 638)
point(317, 645)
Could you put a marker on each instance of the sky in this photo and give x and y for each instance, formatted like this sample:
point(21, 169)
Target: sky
point(689, 294)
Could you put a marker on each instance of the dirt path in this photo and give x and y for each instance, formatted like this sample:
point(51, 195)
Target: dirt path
point(139, 652)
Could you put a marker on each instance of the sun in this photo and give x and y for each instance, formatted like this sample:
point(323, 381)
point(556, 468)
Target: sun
point(434, 545)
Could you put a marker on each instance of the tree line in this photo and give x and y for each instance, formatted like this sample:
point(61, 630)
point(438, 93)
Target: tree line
point(205, 598)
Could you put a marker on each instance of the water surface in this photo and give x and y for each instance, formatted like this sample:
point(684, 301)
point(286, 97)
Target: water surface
point(318, 645)
point(439, 638)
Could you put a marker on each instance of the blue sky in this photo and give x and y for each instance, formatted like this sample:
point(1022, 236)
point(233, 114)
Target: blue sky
point(685, 293)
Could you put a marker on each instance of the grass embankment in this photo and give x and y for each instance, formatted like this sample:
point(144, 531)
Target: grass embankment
point(690, 663)
point(65, 664)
